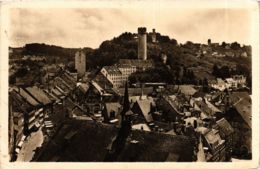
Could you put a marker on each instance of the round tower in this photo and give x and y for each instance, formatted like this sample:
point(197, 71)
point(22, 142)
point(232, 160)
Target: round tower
point(153, 36)
point(142, 40)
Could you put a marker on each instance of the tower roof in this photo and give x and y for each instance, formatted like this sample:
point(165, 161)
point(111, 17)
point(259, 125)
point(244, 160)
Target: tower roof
point(142, 30)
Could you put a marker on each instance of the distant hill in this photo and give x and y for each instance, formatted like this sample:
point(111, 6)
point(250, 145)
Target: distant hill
point(180, 56)
point(52, 53)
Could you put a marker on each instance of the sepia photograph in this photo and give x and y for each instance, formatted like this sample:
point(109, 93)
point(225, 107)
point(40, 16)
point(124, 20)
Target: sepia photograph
point(145, 81)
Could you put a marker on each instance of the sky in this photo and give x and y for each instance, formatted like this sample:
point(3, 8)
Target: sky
point(89, 27)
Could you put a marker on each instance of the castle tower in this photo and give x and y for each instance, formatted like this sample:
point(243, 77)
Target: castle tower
point(154, 36)
point(80, 62)
point(142, 46)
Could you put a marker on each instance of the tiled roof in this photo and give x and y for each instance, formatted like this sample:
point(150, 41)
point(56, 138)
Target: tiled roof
point(92, 141)
point(137, 63)
point(155, 147)
point(145, 106)
point(19, 103)
point(225, 127)
point(89, 144)
point(28, 97)
point(187, 90)
point(112, 70)
point(213, 138)
point(61, 83)
point(244, 109)
point(39, 94)
point(204, 108)
point(68, 79)
point(56, 92)
point(53, 97)
point(242, 103)
point(102, 81)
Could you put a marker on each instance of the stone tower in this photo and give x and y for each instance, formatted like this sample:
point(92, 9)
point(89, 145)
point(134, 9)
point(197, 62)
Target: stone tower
point(142, 46)
point(80, 62)
point(154, 36)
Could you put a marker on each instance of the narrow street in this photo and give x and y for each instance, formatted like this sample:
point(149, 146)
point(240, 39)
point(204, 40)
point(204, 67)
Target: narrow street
point(31, 143)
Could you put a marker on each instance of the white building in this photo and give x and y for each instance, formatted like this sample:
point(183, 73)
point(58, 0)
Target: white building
point(118, 75)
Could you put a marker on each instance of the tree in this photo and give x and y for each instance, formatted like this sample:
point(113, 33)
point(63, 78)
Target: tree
point(223, 44)
point(235, 45)
point(215, 71)
point(205, 86)
point(224, 72)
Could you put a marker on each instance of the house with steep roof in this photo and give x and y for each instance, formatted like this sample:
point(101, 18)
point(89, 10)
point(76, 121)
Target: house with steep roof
point(226, 133)
point(162, 147)
point(111, 112)
point(239, 116)
point(33, 115)
point(144, 107)
point(214, 143)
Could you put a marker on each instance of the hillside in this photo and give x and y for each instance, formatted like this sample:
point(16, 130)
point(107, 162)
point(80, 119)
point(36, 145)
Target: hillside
point(198, 58)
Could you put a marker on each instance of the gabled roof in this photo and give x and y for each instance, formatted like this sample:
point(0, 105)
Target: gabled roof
point(145, 107)
point(112, 70)
point(213, 138)
point(173, 102)
point(89, 144)
point(114, 106)
point(28, 97)
point(19, 103)
point(92, 141)
point(39, 94)
point(243, 107)
point(78, 111)
point(187, 90)
point(242, 103)
point(205, 108)
point(61, 90)
point(56, 92)
point(98, 87)
point(213, 108)
point(63, 84)
point(55, 97)
point(225, 127)
point(50, 96)
point(145, 146)
point(68, 79)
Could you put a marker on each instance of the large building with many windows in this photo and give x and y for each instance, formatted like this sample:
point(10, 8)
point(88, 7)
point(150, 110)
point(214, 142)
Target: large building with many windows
point(118, 75)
